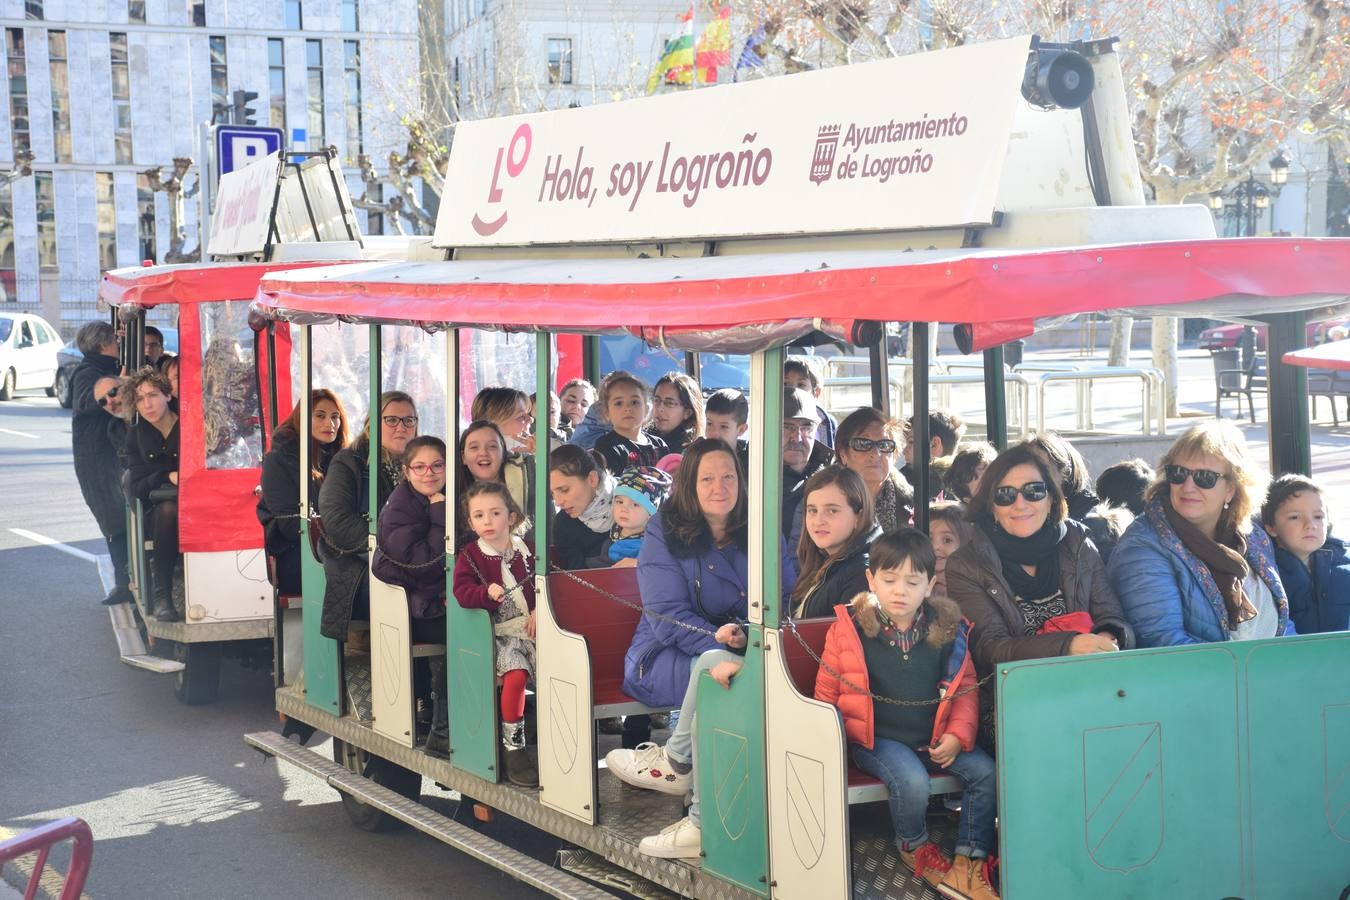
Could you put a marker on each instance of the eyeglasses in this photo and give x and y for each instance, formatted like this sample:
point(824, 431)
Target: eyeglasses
point(669, 402)
point(867, 445)
point(1203, 478)
point(395, 421)
point(103, 401)
point(423, 468)
point(1006, 494)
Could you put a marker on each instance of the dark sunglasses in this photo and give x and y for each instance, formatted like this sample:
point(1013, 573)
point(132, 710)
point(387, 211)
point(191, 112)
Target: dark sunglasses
point(1203, 478)
point(1006, 494)
point(103, 401)
point(395, 421)
point(867, 445)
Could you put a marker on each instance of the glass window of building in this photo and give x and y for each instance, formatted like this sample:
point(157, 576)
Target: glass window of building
point(314, 75)
point(220, 80)
point(32, 9)
point(121, 94)
point(559, 60)
point(197, 13)
point(276, 81)
point(45, 197)
point(19, 126)
point(145, 218)
point(351, 15)
point(136, 12)
point(351, 62)
point(8, 281)
point(106, 212)
point(56, 51)
point(295, 16)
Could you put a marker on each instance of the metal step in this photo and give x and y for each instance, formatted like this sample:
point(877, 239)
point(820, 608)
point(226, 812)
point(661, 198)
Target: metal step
point(131, 647)
point(596, 868)
point(524, 868)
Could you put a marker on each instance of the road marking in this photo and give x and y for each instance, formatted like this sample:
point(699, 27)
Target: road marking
point(54, 544)
point(18, 433)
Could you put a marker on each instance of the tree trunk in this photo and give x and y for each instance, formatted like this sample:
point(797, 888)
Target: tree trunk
point(1165, 357)
point(1122, 327)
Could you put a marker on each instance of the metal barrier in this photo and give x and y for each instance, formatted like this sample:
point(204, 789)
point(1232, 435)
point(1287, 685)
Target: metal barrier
point(40, 841)
point(1018, 393)
point(1151, 392)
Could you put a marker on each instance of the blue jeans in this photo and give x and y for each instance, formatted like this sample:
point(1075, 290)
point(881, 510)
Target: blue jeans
point(684, 736)
point(905, 774)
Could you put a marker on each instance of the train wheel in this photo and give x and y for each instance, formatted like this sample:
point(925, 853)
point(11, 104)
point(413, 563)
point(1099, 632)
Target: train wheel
point(382, 772)
point(199, 681)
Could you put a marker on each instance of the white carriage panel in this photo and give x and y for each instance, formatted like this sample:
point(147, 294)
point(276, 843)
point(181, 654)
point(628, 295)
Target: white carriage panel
point(566, 735)
point(807, 787)
point(391, 693)
point(227, 586)
point(293, 646)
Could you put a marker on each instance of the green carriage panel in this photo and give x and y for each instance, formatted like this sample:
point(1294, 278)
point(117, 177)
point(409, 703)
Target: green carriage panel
point(729, 764)
point(323, 674)
point(1119, 775)
point(472, 691)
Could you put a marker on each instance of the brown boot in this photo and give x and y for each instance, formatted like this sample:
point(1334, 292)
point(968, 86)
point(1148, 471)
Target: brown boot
point(519, 770)
point(968, 879)
point(928, 862)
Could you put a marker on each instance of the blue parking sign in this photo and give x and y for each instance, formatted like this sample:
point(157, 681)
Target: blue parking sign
point(239, 145)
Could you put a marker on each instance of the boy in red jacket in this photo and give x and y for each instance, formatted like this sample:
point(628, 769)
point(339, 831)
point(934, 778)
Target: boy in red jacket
point(899, 642)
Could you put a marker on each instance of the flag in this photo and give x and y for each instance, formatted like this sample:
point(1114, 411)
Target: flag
point(676, 65)
point(713, 48)
point(749, 58)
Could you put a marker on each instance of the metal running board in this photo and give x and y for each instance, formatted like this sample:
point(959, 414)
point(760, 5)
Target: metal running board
point(527, 869)
point(130, 646)
point(597, 868)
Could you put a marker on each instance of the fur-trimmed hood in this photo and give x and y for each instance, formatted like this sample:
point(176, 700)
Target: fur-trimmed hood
point(866, 611)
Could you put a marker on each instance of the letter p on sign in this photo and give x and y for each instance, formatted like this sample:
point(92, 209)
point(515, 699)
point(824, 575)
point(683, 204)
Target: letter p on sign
point(245, 149)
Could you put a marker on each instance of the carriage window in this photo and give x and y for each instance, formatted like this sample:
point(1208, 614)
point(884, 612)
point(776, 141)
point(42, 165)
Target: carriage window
point(232, 438)
point(414, 362)
point(493, 359)
point(341, 354)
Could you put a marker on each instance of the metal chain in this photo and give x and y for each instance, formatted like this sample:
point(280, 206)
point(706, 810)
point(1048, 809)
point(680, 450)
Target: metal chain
point(519, 586)
point(792, 628)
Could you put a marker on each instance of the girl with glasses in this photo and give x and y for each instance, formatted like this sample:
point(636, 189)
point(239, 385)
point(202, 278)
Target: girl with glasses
point(1192, 568)
point(343, 501)
point(1029, 577)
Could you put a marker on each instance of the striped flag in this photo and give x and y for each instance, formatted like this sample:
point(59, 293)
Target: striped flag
point(714, 46)
point(676, 65)
point(750, 58)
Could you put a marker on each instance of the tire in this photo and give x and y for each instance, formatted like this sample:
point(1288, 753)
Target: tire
point(61, 390)
point(382, 772)
point(199, 681)
point(7, 386)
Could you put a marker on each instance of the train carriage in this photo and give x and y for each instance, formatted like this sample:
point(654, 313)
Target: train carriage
point(1143, 773)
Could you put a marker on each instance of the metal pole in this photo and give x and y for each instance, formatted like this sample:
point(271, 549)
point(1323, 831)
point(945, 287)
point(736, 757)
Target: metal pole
point(995, 398)
point(878, 369)
point(1251, 204)
point(1290, 449)
point(919, 422)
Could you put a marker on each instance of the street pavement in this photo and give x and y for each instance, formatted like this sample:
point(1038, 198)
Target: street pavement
point(179, 806)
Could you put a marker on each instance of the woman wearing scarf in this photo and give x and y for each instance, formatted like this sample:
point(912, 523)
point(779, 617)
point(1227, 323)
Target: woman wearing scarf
point(1029, 578)
point(1192, 569)
point(583, 492)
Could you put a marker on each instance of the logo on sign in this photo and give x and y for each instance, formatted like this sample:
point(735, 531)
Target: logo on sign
point(515, 154)
point(822, 161)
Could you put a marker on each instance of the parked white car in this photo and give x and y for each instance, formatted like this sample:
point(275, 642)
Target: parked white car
point(28, 347)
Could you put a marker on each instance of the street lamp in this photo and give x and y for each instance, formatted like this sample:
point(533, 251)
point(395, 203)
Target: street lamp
point(1246, 197)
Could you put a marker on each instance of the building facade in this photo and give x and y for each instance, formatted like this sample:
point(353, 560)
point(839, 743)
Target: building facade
point(102, 96)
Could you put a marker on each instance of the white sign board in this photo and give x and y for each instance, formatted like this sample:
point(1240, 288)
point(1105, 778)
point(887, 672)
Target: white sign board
point(913, 142)
point(243, 208)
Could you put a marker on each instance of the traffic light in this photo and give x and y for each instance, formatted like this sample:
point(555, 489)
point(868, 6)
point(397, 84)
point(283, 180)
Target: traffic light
point(243, 113)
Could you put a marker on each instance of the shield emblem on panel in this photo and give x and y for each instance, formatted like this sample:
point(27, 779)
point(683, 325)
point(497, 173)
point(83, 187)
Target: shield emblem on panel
point(1123, 795)
point(731, 774)
point(389, 673)
point(805, 807)
point(562, 714)
point(1336, 753)
point(470, 700)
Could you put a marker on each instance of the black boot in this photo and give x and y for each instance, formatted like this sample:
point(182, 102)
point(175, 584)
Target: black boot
point(164, 608)
point(438, 739)
point(519, 770)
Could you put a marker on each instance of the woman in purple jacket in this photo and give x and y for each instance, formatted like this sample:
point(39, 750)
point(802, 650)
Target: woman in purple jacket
point(411, 538)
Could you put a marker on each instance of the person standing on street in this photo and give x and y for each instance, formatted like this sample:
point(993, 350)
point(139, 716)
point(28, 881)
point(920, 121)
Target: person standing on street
point(97, 467)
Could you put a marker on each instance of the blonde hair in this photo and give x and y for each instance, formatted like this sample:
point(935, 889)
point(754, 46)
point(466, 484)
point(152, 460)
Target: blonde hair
point(1223, 441)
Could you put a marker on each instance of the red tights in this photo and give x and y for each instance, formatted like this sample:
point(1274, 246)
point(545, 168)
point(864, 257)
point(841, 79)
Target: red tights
point(513, 695)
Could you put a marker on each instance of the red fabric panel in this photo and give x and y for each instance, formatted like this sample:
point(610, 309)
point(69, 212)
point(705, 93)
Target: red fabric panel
point(193, 283)
point(981, 288)
point(216, 507)
point(569, 360)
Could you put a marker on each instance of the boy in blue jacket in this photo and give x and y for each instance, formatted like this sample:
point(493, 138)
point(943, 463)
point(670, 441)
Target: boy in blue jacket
point(1314, 566)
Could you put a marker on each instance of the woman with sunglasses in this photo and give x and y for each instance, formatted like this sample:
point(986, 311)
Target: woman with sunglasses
point(864, 443)
point(1191, 569)
point(342, 504)
point(1030, 578)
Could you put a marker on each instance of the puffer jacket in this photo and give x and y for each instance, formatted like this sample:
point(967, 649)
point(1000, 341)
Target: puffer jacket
point(342, 504)
point(411, 531)
point(975, 581)
point(702, 586)
point(1169, 595)
point(1319, 593)
point(845, 578)
point(958, 711)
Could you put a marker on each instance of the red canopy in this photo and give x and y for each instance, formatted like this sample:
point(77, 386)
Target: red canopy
point(1217, 277)
point(189, 282)
point(1332, 355)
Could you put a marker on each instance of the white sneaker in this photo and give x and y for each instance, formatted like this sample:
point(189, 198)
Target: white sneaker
point(647, 767)
point(683, 840)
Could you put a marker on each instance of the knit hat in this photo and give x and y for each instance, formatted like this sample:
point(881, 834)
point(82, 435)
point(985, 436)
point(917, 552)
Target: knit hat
point(646, 486)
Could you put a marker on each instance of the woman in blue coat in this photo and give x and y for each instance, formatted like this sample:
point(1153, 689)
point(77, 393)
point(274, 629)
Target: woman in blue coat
point(692, 568)
point(1192, 569)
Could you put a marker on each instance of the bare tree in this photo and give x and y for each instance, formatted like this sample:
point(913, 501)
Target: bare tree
point(173, 188)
